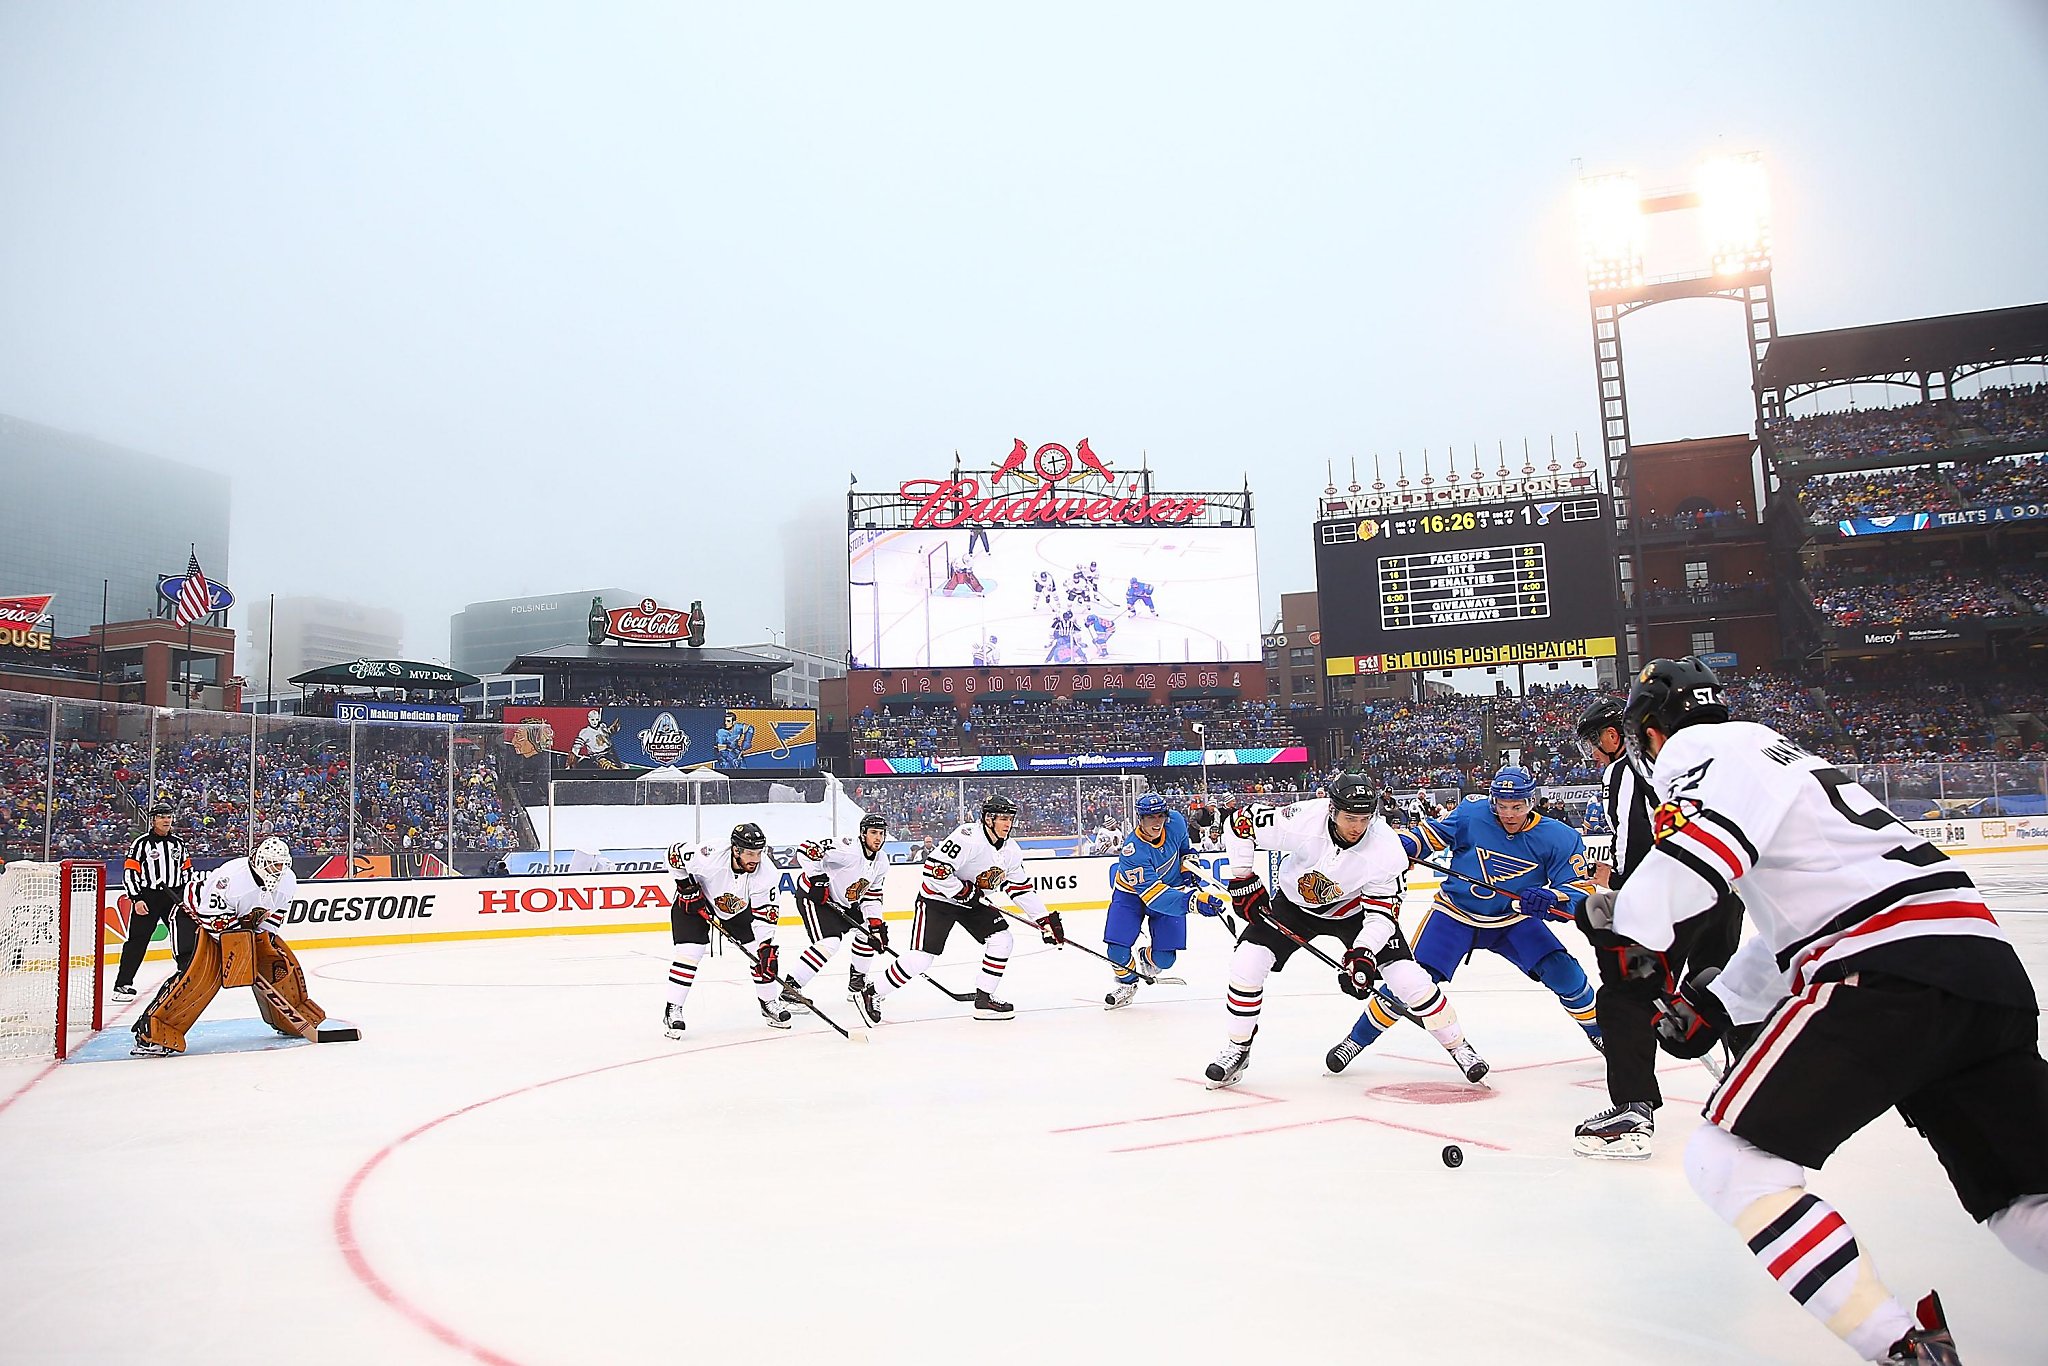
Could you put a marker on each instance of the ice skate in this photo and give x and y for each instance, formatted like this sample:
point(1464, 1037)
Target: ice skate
point(868, 1005)
point(1929, 1343)
point(774, 1015)
point(1125, 993)
point(1620, 1131)
point(143, 1049)
point(1339, 1058)
point(1229, 1064)
point(1467, 1060)
point(1599, 1044)
point(123, 993)
point(987, 1007)
point(672, 1021)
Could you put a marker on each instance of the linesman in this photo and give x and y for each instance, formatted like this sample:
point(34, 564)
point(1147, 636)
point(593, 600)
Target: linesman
point(158, 869)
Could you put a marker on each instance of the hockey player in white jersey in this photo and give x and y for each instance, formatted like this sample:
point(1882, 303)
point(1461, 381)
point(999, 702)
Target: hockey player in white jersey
point(1342, 877)
point(727, 881)
point(246, 898)
point(839, 893)
point(976, 859)
point(1877, 979)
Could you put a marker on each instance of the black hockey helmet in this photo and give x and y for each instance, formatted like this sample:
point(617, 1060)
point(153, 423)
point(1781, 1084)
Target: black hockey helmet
point(1598, 716)
point(1670, 694)
point(747, 835)
point(1354, 793)
point(872, 822)
point(996, 804)
point(161, 809)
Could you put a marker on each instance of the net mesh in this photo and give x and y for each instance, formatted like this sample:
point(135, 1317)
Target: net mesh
point(38, 950)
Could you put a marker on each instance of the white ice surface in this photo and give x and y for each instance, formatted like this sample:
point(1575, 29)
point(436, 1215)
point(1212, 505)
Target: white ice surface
point(515, 1166)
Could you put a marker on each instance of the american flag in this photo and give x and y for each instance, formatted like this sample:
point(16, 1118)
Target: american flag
point(195, 599)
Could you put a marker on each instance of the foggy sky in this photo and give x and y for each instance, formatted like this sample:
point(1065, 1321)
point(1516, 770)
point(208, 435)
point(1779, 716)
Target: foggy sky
point(474, 301)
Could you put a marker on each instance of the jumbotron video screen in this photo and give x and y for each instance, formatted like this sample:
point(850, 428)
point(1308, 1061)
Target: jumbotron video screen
point(1028, 595)
point(1458, 586)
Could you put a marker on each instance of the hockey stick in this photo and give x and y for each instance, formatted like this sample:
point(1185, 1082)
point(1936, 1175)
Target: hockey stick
point(1121, 968)
point(1379, 989)
point(790, 991)
point(856, 927)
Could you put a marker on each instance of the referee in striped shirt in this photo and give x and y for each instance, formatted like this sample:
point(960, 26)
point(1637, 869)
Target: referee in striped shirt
point(159, 866)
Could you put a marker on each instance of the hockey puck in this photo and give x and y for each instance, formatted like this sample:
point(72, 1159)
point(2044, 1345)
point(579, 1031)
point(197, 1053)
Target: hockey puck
point(1454, 1156)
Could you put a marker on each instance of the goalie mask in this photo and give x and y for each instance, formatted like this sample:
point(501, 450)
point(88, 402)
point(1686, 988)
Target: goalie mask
point(269, 862)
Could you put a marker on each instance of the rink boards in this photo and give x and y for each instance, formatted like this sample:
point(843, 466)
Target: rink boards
point(414, 910)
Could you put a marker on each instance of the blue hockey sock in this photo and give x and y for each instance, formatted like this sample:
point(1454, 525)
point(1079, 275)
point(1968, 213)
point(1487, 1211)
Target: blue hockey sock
point(1562, 974)
point(1373, 1021)
point(1120, 954)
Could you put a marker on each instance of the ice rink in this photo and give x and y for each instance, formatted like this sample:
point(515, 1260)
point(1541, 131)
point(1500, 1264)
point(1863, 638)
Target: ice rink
point(1205, 603)
point(515, 1166)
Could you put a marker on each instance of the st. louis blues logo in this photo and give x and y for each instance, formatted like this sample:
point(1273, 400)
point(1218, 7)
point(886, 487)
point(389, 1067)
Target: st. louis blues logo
point(1498, 868)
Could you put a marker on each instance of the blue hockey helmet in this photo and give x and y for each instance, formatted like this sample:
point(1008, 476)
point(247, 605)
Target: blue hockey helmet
point(1151, 804)
point(1513, 784)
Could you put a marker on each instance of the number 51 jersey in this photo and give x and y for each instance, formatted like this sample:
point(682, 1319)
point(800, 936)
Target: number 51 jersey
point(1834, 882)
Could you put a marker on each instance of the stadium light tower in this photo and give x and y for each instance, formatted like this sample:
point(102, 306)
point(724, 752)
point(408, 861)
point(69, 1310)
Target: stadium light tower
point(1730, 197)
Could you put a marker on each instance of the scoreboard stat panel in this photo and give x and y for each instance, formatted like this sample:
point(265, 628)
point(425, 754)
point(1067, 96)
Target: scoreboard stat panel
point(1456, 588)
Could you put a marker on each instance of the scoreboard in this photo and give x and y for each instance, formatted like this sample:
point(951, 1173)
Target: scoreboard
point(1452, 587)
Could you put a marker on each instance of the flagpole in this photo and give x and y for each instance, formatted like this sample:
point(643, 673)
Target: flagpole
point(185, 681)
point(100, 693)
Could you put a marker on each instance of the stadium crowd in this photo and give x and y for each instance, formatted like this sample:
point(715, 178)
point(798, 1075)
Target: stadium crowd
point(672, 695)
point(2009, 413)
point(1849, 598)
point(1066, 726)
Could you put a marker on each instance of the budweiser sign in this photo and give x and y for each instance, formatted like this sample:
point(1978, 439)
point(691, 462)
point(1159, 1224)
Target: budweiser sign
point(647, 621)
point(25, 622)
point(1051, 486)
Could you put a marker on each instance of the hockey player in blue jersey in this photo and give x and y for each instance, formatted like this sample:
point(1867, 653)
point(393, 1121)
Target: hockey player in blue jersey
point(1102, 629)
point(734, 739)
point(1152, 888)
point(1540, 866)
point(1136, 593)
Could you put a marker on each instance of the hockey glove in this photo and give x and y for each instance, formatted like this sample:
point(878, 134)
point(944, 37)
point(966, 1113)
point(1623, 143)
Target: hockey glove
point(1692, 1019)
point(1051, 929)
point(1357, 973)
point(1248, 895)
point(1541, 903)
point(690, 898)
point(1207, 902)
point(818, 891)
point(1596, 913)
point(878, 934)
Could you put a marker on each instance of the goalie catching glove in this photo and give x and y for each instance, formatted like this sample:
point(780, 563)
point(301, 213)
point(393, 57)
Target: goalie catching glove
point(1692, 1019)
point(1357, 973)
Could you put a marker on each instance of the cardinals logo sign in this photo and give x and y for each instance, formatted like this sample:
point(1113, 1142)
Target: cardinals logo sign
point(1053, 485)
point(1053, 463)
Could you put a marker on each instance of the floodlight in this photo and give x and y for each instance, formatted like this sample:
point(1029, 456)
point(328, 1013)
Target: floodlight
point(1611, 230)
point(1735, 212)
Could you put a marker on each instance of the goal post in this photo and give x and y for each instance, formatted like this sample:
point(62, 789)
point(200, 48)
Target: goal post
point(52, 956)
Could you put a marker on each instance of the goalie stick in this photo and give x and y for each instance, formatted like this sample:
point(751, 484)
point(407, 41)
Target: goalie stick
point(790, 992)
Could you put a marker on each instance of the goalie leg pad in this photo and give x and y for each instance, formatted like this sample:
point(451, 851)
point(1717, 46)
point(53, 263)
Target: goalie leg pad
point(181, 1000)
point(279, 967)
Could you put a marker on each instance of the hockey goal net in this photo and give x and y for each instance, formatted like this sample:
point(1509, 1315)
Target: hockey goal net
point(52, 956)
